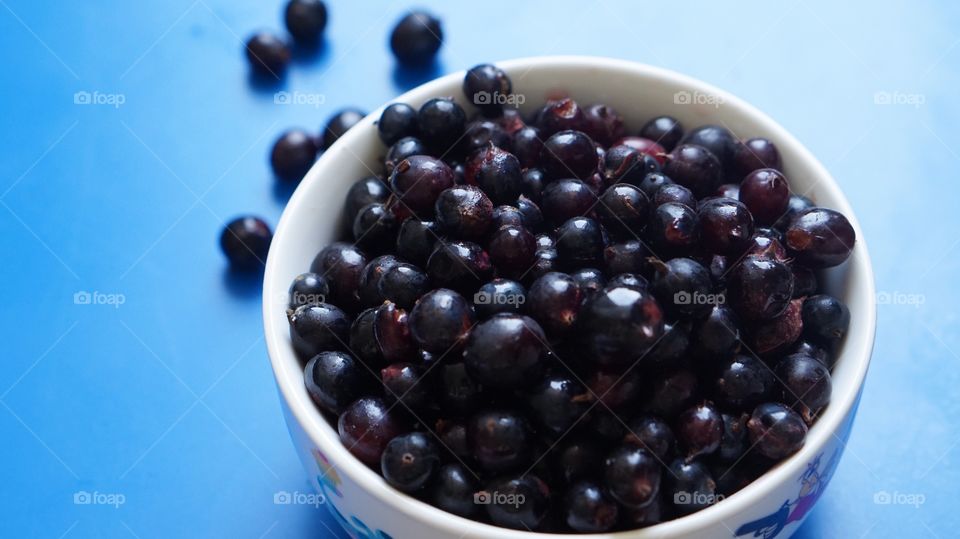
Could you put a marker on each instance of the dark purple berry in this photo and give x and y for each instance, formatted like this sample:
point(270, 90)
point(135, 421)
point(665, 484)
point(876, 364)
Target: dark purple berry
point(580, 242)
point(683, 287)
point(699, 430)
point(339, 124)
point(673, 192)
point(717, 336)
point(627, 257)
point(318, 327)
point(561, 115)
point(569, 154)
point(623, 210)
point(367, 426)
point(726, 226)
point(587, 509)
point(397, 121)
point(305, 20)
point(500, 440)
point(403, 284)
point(765, 193)
point(334, 380)
point(558, 402)
point(566, 199)
point(652, 182)
point(603, 124)
point(416, 38)
point(418, 181)
point(506, 351)
point(292, 155)
point(441, 320)
point(442, 123)
point(760, 288)
point(632, 476)
point(527, 146)
point(651, 433)
point(734, 442)
point(554, 300)
point(671, 392)
point(499, 296)
point(453, 491)
point(695, 168)
point(513, 250)
point(806, 384)
point(375, 228)
point(664, 130)
point(754, 154)
point(245, 241)
point(402, 149)
point(744, 382)
point(415, 240)
point(409, 461)
point(373, 272)
point(624, 164)
point(464, 212)
point(520, 503)
point(689, 486)
point(620, 324)
point(268, 55)
point(716, 139)
point(497, 172)
point(366, 191)
point(674, 229)
point(459, 393)
point(308, 288)
point(776, 431)
point(820, 238)
point(487, 87)
point(483, 133)
point(825, 320)
point(589, 280)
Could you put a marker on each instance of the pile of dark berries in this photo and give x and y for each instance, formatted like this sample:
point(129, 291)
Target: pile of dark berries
point(557, 322)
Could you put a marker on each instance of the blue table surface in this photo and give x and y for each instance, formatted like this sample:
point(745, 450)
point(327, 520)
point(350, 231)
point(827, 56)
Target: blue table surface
point(167, 401)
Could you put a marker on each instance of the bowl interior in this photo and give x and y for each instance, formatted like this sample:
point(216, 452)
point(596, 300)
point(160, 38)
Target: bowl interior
point(313, 216)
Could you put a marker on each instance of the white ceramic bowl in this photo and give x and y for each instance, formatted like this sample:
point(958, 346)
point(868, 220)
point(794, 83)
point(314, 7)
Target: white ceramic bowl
point(774, 505)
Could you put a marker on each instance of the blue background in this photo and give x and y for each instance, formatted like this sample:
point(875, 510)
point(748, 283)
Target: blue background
point(169, 400)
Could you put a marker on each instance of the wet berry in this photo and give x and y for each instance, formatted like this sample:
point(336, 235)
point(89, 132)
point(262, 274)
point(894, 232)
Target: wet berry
point(673, 192)
point(513, 250)
point(760, 288)
point(674, 229)
point(318, 327)
point(726, 226)
point(464, 212)
point(825, 320)
point(623, 209)
point(683, 287)
point(619, 324)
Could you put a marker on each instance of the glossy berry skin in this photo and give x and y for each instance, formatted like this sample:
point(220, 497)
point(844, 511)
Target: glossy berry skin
point(292, 155)
point(462, 266)
point(717, 140)
point(754, 154)
point(683, 287)
point(334, 380)
point(415, 240)
point(560, 115)
point(363, 340)
point(403, 284)
point(402, 149)
point(652, 182)
point(373, 272)
point(695, 168)
point(504, 509)
point(268, 55)
point(305, 20)
point(403, 383)
point(664, 130)
point(500, 440)
point(506, 351)
point(632, 476)
point(743, 382)
point(795, 206)
point(375, 228)
point(442, 121)
point(651, 433)
point(367, 426)
point(318, 327)
point(805, 281)
point(620, 323)
point(689, 482)
point(726, 226)
point(716, 337)
point(554, 300)
point(776, 431)
point(728, 190)
point(416, 38)
point(589, 280)
point(531, 213)
point(672, 348)
point(674, 229)
point(673, 192)
point(820, 238)
point(398, 120)
point(513, 250)
point(391, 330)
point(825, 320)
point(409, 461)
point(504, 215)
point(765, 193)
point(245, 241)
point(806, 384)
point(699, 430)
point(646, 146)
point(527, 145)
point(482, 133)
point(813, 350)
point(499, 296)
point(623, 210)
point(453, 490)
point(484, 84)
point(464, 212)
point(624, 164)
point(418, 182)
point(557, 402)
point(565, 199)
point(580, 242)
point(441, 320)
point(339, 124)
point(366, 191)
point(342, 264)
point(497, 172)
point(569, 154)
point(603, 124)
point(587, 509)
point(308, 288)
point(626, 257)
point(760, 288)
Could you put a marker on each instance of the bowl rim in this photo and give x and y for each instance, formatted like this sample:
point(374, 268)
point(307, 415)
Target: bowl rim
point(856, 349)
